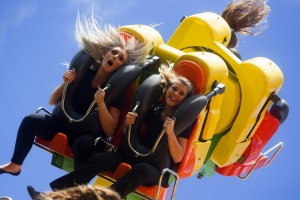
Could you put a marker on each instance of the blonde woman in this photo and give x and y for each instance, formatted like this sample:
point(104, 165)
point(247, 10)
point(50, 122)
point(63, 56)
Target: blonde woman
point(110, 52)
point(177, 90)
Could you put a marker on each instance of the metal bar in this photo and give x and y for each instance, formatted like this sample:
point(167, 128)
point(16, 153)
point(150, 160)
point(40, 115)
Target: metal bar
point(43, 109)
point(63, 104)
point(279, 146)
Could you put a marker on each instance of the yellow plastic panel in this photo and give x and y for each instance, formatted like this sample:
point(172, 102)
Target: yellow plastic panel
point(167, 53)
point(258, 78)
point(228, 152)
point(230, 104)
point(147, 34)
point(202, 115)
point(201, 149)
point(100, 181)
point(213, 118)
point(201, 30)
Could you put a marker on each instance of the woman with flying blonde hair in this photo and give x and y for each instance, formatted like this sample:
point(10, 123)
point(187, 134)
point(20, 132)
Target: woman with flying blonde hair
point(159, 116)
point(110, 52)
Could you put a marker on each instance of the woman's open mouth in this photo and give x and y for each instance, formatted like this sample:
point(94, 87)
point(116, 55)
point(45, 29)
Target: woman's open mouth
point(110, 63)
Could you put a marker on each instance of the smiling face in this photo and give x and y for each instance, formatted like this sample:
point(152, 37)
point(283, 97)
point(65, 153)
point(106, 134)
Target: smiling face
point(113, 59)
point(175, 94)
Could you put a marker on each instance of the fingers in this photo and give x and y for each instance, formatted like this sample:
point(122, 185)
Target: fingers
point(99, 93)
point(69, 75)
point(131, 114)
point(169, 123)
point(130, 117)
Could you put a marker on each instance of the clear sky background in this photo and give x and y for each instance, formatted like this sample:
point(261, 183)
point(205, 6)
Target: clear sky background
point(37, 36)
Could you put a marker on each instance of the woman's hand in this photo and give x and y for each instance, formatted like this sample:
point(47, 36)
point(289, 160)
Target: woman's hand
point(130, 118)
point(177, 145)
point(55, 96)
point(99, 97)
point(69, 76)
point(169, 125)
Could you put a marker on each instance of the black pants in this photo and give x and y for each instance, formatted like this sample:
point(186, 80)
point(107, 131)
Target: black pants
point(45, 126)
point(83, 148)
point(141, 173)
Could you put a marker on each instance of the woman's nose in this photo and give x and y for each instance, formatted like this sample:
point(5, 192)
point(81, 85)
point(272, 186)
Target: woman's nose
point(116, 56)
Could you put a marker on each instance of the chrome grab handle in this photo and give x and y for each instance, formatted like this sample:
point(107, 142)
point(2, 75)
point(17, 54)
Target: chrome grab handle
point(43, 109)
point(176, 176)
point(279, 146)
point(105, 141)
point(155, 144)
point(153, 148)
point(88, 110)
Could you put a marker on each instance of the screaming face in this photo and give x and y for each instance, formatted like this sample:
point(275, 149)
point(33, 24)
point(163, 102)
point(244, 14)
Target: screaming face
point(114, 59)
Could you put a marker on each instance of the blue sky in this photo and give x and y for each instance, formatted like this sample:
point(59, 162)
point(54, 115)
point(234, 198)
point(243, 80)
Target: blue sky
point(37, 36)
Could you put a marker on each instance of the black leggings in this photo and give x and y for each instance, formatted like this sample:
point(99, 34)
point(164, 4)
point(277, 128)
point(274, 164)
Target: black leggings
point(83, 148)
point(45, 126)
point(141, 173)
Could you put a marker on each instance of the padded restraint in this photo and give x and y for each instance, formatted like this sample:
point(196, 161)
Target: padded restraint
point(147, 94)
point(119, 83)
point(280, 111)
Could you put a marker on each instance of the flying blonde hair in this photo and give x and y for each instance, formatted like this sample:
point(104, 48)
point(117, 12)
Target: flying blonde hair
point(97, 40)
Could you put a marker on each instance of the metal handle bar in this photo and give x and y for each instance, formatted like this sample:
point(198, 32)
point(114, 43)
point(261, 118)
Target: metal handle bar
point(155, 144)
point(88, 110)
point(176, 176)
point(43, 109)
point(279, 146)
point(105, 141)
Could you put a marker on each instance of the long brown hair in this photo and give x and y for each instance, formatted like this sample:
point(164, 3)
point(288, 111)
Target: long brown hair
point(245, 16)
point(81, 192)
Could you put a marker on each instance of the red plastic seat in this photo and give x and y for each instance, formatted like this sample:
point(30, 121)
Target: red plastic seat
point(59, 144)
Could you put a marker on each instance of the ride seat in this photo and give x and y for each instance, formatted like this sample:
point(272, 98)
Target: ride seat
point(59, 144)
point(204, 70)
point(195, 73)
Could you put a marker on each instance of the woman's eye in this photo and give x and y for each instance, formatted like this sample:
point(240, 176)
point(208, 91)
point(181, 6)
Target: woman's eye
point(114, 52)
point(121, 59)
